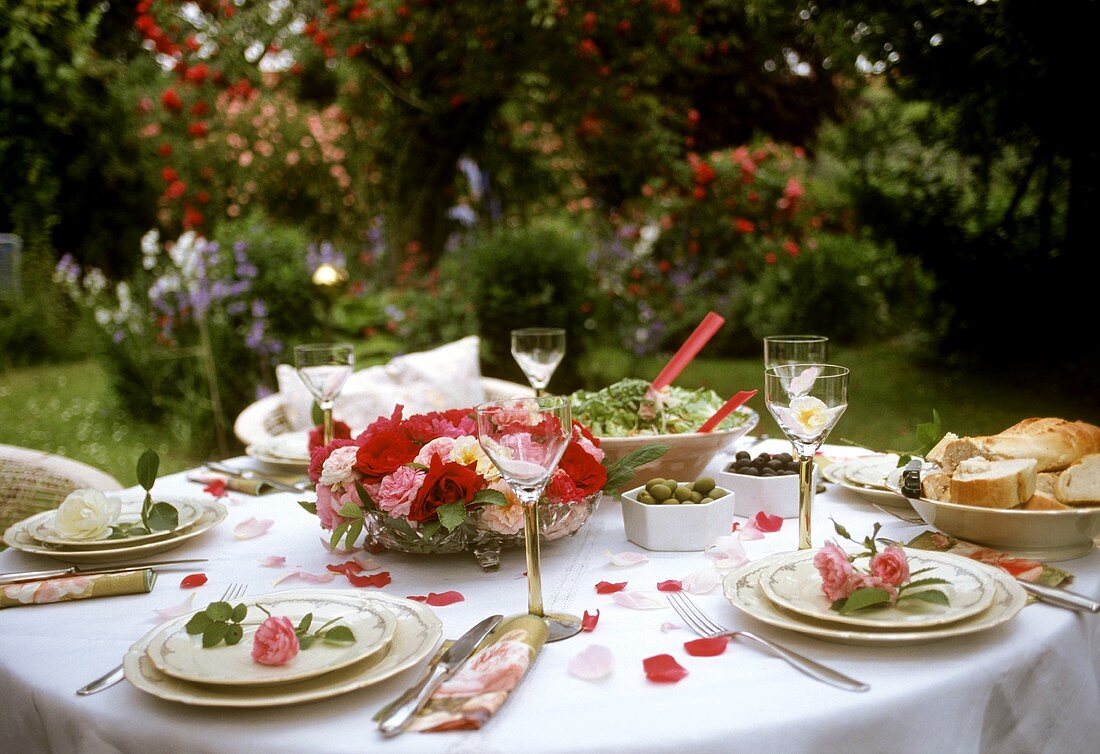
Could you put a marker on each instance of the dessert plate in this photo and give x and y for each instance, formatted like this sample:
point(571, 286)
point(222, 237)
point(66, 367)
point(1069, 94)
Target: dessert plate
point(41, 526)
point(861, 476)
point(176, 653)
point(791, 581)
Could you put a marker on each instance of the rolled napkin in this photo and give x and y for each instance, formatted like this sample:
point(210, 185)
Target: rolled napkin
point(467, 699)
point(236, 484)
point(76, 588)
point(1020, 568)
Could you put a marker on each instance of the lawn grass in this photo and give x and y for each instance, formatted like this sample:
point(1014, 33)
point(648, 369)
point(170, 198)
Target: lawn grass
point(69, 408)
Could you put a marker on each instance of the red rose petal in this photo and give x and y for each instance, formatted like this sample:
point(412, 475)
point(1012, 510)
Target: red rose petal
point(663, 669)
point(766, 523)
point(672, 585)
point(588, 622)
point(417, 597)
point(707, 647)
point(606, 587)
point(215, 488)
point(376, 579)
point(193, 580)
point(441, 599)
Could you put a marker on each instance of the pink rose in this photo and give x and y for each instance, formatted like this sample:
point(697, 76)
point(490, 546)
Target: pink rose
point(329, 502)
point(838, 578)
point(440, 446)
point(398, 490)
point(890, 567)
point(275, 642)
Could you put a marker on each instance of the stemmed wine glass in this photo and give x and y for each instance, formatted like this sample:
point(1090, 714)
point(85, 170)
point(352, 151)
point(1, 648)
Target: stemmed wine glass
point(806, 401)
point(538, 351)
point(525, 438)
point(324, 368)
point(795, 349)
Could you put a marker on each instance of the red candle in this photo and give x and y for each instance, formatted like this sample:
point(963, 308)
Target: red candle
point(728, 408)
point(704, 332)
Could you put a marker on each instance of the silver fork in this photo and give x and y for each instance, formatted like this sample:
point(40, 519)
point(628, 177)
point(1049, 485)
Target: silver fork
point(232, 592)
point(698, 622)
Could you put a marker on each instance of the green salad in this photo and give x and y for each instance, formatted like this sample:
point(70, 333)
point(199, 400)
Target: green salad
point(624, 410)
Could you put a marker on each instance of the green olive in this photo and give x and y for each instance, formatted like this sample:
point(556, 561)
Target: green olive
point(705, 500)
point(718, 492)
point(703, 484)
point(645, 497)
point(682, 493)
point(653, 483)
point(670, 501)
point(660, 492)
point(696, 497)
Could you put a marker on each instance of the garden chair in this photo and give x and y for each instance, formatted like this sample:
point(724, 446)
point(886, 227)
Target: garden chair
point(32, 481)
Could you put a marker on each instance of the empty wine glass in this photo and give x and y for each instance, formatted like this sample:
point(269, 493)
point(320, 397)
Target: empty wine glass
point(795, 349)
point(806, 401)
point(525, 438)
point(538, 351)
point(324, 368)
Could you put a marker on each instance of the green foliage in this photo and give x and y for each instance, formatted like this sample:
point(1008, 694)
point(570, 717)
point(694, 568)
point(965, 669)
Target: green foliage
point(218, 622)
point(39, 325)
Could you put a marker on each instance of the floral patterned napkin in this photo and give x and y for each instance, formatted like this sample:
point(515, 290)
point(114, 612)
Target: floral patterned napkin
point(76, 588)
point(1020, 568)
point(467, 699)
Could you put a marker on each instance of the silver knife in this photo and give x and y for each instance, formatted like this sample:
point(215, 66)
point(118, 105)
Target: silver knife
point(252, 476)
point(402, 710)
point(1060, 597)
point(55, 573)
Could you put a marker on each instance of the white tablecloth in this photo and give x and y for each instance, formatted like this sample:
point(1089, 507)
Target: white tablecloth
point(1031, 685)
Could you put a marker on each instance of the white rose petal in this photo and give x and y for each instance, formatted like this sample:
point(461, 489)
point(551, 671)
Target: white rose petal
point(86, 515)
point(339, 467)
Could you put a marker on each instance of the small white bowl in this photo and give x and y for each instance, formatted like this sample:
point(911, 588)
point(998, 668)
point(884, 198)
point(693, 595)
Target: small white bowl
point(775, 495)
point(676, 528)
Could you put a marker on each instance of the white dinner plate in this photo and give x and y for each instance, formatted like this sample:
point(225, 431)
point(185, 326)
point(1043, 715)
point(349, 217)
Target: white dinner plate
point(838, 473)
point(418, 635)
point(791, 581)
point(176, 653)
point(742, 589)
point(41, 526)
point(291, 447)
point(279, 463)
point(18, 538)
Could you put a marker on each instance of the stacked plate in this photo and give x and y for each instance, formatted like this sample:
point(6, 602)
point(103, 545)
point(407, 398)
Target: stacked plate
point(286, 451)
point(785, 591)
point(37, 534)
point(391, 635)
point(866, 476)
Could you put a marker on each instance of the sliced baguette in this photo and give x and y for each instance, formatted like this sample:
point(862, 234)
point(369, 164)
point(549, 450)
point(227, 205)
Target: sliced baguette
point(993, 484)
point(1041, 501)
point(1080, 483)
point(953, 450)
point(1053, 443)
point(1046, 482)
point(936, 486)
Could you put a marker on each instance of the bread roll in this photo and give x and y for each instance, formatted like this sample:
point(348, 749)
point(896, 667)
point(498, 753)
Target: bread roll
point(936, 486)
point(1080, 483)
point(993, 484)
point(1053, 443)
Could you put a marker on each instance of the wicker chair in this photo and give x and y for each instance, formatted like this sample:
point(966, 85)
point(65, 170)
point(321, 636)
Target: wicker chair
point(265, 418)
point(32, 481)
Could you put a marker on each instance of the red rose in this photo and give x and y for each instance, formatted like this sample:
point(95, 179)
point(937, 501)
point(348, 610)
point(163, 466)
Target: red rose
point(341, 431)
point(382, 453)
point(561, 488)
point(444, 483)
point(587, 473)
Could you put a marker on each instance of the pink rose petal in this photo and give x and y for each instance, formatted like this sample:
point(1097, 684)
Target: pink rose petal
point(701, 581)
point(366, 562)
point(663, 669)
point(592, 664)
point(588, 622)
point(273, 561)
point(728, 552)
point(667, 626)
point(766, 523)
point(749, 532)
point(252, 527)
point(626, 558)
point(306, 576)
point(168, 613)
point(640, 600)
point(670, 586)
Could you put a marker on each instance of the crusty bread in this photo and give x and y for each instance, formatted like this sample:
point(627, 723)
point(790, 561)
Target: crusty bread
point(1041, 501)
point(936, 486)
point(993, 484)
point(953, 450)
point(1080, 483)
point(1053, 443)
point(1046, 482)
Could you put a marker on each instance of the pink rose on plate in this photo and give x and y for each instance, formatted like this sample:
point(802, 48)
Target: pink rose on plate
point(275, 642)
point(838, 578)
point(398, 490)
point(890, 567)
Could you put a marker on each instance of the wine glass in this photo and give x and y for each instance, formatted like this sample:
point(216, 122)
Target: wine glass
point(795, 349)
point(324, 368)
point(525, 438)
point(538, 351)
point(806, 401)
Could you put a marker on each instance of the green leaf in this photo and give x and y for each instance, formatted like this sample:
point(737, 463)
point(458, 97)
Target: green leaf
point(364, 496)
point(239, 613)
point(162, 517)
point(920, 571)
point(428, 530)
point(219, 611)
point(354, 531)
point(199, 622)
point(135, 531)
point(305, 642)
point(841, 530)
point(451, 515)
point(214, 633)
point(903, 460)
point(490, 497)
point(863, 598)
point(351, 510)
point(929, 433)
point(119, 532)
point(339, 635)
point(334, 538)
point(620, 472)
point(233, 634)
point(147, 467)
point(310, 507)
point(934, 596)
point(417, 466)
point(305, 623)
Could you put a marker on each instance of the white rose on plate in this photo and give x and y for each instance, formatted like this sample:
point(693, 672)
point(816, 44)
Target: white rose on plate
point(86, 515)
point(339, 466)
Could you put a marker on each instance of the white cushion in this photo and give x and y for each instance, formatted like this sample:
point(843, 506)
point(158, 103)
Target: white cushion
point(435, 380)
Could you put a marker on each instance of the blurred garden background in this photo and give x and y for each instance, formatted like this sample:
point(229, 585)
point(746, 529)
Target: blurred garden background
point(911, 179)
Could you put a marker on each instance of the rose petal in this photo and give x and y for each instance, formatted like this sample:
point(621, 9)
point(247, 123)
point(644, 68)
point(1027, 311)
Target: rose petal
point(594, 663)
point(273, 561)
point(310, 578)
point(441, 599)
point(216, 487)
point(670, 586)
point(728, 552)
point(588, 622)
point(640, 600)
point(193, 580)
point(366, 562)
point(663, 669)
point(609, 587)
point(701, 581)
point(667, 626)
point(252, 527)
point(183, 608)
point(626, 558)
point(766, 523)
point(338, 550)
point(707, 647)
point(749, 532)
point(379, 580)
